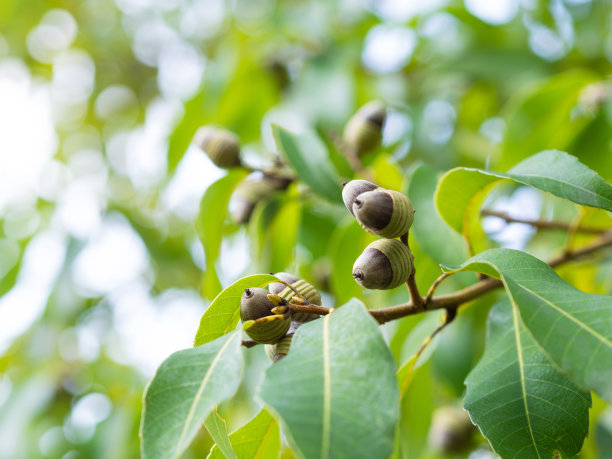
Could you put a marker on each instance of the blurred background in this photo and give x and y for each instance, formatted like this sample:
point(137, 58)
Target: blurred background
point(100, 257)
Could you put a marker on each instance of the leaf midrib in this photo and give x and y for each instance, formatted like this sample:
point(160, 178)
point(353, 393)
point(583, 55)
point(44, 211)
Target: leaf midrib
point(325, 441)
point(198, 396)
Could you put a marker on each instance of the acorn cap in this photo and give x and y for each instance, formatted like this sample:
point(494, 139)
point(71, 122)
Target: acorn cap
point(353, 189)
point(386, 213)
point(383, 265)
point(277, 287)
point(363, 132)
point(279, 350)
point(221, 146)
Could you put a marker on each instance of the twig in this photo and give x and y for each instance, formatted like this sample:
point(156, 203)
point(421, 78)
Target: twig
point(434, 286)
point(413, 288)
point(309, 309)
point(543, 224)
point(456, 299)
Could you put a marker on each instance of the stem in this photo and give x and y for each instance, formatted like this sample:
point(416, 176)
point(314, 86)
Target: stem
point(309, 309)
point(413, 288)
point(543, 224)
point(434, 286)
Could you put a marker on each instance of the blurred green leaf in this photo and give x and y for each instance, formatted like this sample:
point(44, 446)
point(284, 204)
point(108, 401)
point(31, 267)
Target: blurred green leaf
point(185, 389)
point(459, 194)
point(574, 328)
point(217, 429)
point(309, 158)
point(336, 390)
point(223, 313)
point(521, 402)
point(542, 117)
point(258, 439)
point(433, 235)
point(213, 209)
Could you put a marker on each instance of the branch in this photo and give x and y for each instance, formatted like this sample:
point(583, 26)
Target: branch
point(456, 299)
point(543, 224)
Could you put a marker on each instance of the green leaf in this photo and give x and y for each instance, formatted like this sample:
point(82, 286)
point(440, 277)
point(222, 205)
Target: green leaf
point(543, 117)
point(223, 313)
point(308, 156)
point(552, 171)
point(217, 429)
point(213, 209)
point(434, 236)
point(185, 389)
point(522, 404)
point(336, 390)
point(574, 328)
point(259, 439)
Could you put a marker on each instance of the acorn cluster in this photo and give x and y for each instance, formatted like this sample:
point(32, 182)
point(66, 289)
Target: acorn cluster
point(385, 263)
point(274, 323)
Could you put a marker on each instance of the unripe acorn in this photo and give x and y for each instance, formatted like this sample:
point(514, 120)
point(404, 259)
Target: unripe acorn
point(254, 304)
point(383, 265)
point(363, 132)
point(353, 189)
point(451, 430)
point(221, 146)
point(304, 288)
point(279, 350)
point(251, 190)
point(386, 213)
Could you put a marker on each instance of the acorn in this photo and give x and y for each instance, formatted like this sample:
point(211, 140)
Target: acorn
point(353, 189)
point(383, 265)
point(279, 350)
point(255, 305)
point(251, 190)
point(386, 213)
point(221, 146)
point(451, 430)
point(363, 132)
point(304, 288)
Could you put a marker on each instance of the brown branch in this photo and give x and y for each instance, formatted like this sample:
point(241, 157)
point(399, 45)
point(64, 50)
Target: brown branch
point(456, 299)
point(543, 224)
point(309, 309)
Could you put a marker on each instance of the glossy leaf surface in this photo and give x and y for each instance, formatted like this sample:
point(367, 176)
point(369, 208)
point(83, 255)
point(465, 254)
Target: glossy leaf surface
point(184, 391)
point(522, 404)
point(336, 390)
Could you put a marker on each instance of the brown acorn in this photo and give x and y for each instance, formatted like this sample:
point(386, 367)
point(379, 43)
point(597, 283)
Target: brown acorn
point(386, 213)
point(383, 265)
point(221, 146)
point(353, 189)
point(304, 288)
point(363, 132)
point(254, 305)
point(251, 190)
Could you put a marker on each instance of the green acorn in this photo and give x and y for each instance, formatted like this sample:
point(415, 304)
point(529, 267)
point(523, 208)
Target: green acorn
point(304, 288)
point(363, 132)
point(383, 265)
point(221, 146)
point(386, 213)
point(251, 190)
point(353, 189)
point(255, 306)
point(279, 350)
point(451, 430)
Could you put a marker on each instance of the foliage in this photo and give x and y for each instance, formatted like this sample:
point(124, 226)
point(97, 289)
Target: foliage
point(118, 248)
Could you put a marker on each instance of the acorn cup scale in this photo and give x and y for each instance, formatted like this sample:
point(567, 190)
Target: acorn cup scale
point(254, 305)
point(383, 265)
point(386, 213)
point(221, 146)
point(304, 288)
